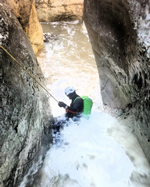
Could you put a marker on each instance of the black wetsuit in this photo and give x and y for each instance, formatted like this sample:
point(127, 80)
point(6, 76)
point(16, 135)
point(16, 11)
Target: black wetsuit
point(73, 111)
point(76, 107)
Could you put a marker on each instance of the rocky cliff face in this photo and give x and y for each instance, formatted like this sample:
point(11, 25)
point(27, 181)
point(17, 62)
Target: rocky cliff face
point(26, 14)
point(58, 10)
point(120, 36)
point(25, 112)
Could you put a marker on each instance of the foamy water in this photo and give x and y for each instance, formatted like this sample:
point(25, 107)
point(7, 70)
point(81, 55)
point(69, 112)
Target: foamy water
point(87, 156)
point(98, 152)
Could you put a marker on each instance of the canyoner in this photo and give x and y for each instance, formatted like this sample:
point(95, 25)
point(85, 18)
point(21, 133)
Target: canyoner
point(79, 107)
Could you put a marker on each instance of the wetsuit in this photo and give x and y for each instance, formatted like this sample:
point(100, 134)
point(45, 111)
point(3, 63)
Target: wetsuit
point(75, 108)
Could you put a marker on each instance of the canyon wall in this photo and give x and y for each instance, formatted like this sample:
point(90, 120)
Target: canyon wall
point(120, 37)
point(25, 12)
point(119, 32)
point(59, 10)
point(25, 113)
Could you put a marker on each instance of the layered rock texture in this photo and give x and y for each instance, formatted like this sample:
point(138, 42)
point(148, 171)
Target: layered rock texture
point(119, 31)
point(59, 10)
point(25, 112)
point(25, 12)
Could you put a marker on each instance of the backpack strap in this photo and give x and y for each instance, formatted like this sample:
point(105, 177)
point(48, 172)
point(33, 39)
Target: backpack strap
point(76, 99)
point(84, 97)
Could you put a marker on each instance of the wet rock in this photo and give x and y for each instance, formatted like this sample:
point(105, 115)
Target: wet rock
point(25, 12)
point(120, 37)
point(25, 113)
point(47, 37)
point(54, 10)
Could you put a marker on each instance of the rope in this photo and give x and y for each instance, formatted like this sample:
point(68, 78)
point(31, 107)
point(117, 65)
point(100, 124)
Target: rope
point(28, 72)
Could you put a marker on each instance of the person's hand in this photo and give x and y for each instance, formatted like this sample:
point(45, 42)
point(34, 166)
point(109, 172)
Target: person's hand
point(61, 104)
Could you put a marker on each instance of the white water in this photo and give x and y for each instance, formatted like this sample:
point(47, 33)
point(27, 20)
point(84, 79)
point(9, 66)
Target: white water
point(98, 152)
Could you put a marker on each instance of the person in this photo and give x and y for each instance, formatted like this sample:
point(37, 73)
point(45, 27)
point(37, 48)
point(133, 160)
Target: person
point(73, 111)
point(76, 106)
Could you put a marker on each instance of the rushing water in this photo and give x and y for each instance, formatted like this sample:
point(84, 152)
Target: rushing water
point(98, 152)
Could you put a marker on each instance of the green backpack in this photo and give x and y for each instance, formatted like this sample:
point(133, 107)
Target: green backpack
point(87, 105)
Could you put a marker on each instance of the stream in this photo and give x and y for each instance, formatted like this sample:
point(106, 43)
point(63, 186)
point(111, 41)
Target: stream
point(98, 152)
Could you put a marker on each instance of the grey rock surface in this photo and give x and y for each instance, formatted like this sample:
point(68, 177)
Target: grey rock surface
point(119, 31)
point(25, 112)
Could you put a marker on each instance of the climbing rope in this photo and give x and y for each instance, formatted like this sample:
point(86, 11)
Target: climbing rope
point(27, 72)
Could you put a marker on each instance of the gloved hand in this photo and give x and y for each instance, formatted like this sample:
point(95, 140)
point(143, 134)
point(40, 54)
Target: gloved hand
point(62, 104)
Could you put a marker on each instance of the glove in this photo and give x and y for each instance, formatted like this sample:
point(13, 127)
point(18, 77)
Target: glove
point(61, 104)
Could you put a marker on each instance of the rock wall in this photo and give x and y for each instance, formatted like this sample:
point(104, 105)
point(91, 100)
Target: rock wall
point(25, 113)
point(25, 12)
point(59, 10)
point(119, 31)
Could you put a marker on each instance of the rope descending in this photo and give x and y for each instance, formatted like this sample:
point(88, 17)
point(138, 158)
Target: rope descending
point(27, 72)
